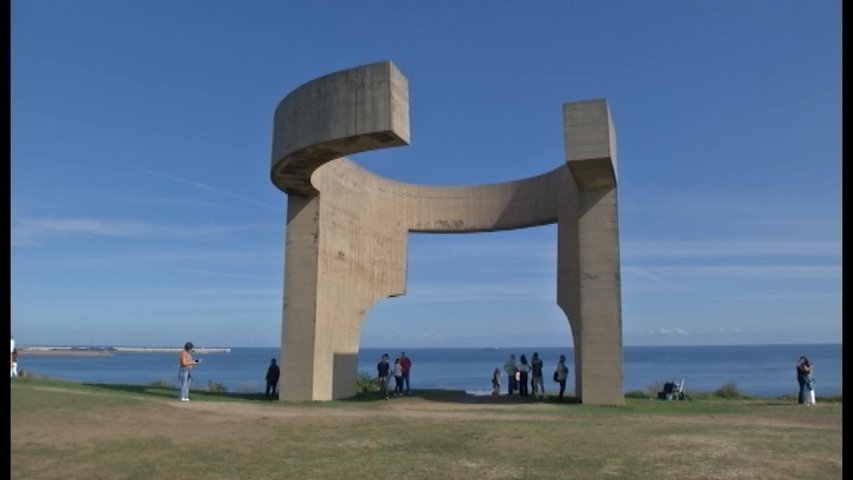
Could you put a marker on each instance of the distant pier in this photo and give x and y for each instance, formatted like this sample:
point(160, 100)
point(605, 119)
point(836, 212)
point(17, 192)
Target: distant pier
point(108, 351)
point(171, 349)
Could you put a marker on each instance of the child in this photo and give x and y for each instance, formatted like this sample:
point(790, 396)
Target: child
point(496, 382)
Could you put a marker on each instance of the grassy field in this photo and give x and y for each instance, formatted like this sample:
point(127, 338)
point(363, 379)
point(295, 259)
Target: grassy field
point(62, 430)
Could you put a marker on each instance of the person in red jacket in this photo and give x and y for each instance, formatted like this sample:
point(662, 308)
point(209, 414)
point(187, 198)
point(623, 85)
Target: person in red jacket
point(406, 363)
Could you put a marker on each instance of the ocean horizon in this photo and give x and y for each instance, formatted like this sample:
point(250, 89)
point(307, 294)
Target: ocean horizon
point(758, 370)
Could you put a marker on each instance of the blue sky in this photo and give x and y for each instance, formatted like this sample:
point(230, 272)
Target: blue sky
point(142, 212)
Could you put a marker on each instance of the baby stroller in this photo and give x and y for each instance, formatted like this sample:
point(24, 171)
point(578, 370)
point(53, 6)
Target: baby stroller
point(673, 391)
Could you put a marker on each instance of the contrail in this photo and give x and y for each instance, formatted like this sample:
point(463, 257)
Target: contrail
point(206, 187)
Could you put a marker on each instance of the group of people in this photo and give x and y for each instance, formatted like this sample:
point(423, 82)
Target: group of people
point(400, 371)
point(519, 375)
point(521, 372)
point(806, 381)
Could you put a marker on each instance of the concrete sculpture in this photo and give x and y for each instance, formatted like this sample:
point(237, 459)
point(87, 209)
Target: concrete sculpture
point(345, 246)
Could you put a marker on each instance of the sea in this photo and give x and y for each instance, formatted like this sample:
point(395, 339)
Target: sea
point(756, 370)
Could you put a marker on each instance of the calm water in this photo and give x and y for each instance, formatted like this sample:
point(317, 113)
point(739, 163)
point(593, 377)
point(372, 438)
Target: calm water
point(762, 370)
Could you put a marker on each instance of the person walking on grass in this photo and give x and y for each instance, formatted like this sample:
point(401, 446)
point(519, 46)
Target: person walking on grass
point(273, 373)
point(562, 373)
point(186, 363)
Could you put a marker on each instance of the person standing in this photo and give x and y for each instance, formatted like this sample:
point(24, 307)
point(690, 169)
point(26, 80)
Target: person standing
point(536, 373)
point(804, 371)
point(382, 370)
point(810, 398)
point(14, 370)
point(398, 377)
point(524, 371)
point(273, 373)
point(406, 363)
point(186, 363)
point(510, 368)
point(496, 382)
point(562, 375)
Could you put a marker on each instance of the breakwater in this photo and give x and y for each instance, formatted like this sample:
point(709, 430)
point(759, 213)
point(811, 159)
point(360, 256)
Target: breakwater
point(108, 351)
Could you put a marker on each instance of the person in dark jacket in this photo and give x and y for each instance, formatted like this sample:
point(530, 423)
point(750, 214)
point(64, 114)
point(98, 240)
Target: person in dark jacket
point(273, 373)
point(382, 374)
point(804, 372)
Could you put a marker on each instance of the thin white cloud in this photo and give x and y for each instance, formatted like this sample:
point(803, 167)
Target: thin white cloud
point(220, 257)
point(781, 296)
point(666, 332)
point(755, 208)
point(488, 248)
point(164, 201)
point(31, 231)
point(445, 292)
point(762, 271)
point(209, 188)
point(222, 274)
point(664, 249)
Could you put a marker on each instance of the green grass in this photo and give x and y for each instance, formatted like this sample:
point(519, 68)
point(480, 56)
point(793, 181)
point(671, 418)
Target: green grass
point(67, 430)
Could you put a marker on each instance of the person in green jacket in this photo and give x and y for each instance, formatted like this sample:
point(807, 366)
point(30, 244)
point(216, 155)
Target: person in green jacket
point(509, 368)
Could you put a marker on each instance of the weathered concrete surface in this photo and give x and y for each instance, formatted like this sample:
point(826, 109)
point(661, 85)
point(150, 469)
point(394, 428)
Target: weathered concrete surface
point(347, 228)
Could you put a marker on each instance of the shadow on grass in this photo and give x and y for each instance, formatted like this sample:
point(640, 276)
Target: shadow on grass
point(458, 397)
point(172, 393)
point(430, 395)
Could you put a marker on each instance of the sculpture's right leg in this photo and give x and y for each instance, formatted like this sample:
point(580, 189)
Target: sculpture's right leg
point(298, 335)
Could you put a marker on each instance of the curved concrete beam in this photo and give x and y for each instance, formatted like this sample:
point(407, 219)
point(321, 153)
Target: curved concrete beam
point(494, 207)
point(339, 114)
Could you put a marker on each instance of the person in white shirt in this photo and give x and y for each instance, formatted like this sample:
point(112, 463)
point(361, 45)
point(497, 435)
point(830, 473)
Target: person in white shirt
point(398, 377)
point(14, 370)
point(13, 358)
